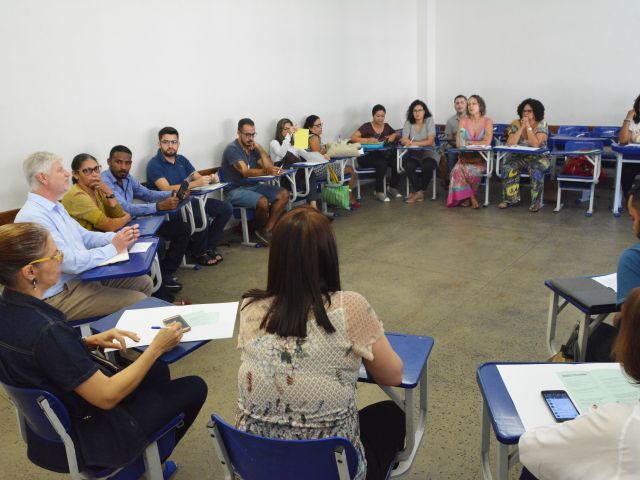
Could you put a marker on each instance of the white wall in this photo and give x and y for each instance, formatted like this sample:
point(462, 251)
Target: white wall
point(576, 56)
point(84, 75)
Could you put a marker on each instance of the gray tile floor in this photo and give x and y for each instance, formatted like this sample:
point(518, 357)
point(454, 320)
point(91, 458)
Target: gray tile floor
point(471, 279)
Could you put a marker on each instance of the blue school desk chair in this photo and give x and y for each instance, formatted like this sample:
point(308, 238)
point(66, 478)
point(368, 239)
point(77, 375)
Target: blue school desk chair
point(259, 458)
point(44, 421)
point(592, 151)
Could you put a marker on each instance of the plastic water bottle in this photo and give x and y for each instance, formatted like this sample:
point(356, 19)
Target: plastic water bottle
point(462, 138)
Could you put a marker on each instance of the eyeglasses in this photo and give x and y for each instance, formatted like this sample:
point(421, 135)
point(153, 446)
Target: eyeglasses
point(169, 142)
point(249, 135)
point(58, 257)
point(89, 171)
point(416, 110)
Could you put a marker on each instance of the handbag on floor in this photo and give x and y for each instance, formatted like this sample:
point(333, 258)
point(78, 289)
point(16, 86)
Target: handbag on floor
point(336, 195)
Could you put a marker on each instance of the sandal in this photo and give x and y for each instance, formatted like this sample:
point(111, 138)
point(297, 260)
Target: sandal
point(504, 205)
point(534, 208)
point(205, 260)
point(465, 203)
point(474, 204)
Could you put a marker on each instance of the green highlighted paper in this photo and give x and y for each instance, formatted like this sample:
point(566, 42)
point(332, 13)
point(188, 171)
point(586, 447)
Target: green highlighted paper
point(201, 319)
point(598, 387)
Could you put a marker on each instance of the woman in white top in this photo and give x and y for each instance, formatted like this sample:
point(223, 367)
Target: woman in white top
point(283, 152)
point(603, 443)
point(630, 133)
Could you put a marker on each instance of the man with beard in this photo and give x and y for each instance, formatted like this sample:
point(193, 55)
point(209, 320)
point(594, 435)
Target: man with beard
point(175, 230)
point(166, 172)
point(244, 158)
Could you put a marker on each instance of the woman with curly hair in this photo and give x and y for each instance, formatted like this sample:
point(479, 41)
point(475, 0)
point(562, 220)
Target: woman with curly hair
point(419, 131)
point(529, 130)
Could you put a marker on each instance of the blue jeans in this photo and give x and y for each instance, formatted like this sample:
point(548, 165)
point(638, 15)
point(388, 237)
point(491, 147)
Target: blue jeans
point(218, 214)
point(249, 196)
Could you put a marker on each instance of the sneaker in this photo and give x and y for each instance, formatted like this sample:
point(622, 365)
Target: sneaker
point(264, 236)
point(394, 192)
point(172, 284)
point(382, 197)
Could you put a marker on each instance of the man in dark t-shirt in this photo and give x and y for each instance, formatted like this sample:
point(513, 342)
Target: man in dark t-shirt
point(242, 159)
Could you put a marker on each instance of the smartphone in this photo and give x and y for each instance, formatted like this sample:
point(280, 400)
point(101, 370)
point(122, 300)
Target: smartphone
point(177, 318)
point(183, 188)
point(561, 406)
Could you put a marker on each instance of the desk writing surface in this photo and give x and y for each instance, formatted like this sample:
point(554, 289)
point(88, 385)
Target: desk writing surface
point(586, 294)
point(414, 350)
point(171, 356)
point(520, 149)
point(630, 149)
point(504, 416)
point(148, 225)
point(524, 382)
point(138, 264)
point(203, 190)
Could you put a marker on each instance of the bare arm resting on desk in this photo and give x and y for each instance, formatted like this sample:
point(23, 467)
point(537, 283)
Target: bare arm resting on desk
point(265, 163)
point(386, 368)
point(197, 180)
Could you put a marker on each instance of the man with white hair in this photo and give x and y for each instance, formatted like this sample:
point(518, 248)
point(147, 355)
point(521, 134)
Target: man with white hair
point(82, 249)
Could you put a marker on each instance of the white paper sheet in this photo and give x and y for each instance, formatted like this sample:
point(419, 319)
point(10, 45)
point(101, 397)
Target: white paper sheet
point(209, 188)
point(310, 163)
point(520, 147)
point(142, 321)
point(140, 247)
point(525, 382)
point(478, 147)
point(118, 257)
point(609, 281)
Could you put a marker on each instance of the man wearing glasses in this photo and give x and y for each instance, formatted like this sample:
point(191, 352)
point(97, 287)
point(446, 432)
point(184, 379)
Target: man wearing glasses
point(244, 158)
point(166, 171)
point(126, 189)
point(82, 249)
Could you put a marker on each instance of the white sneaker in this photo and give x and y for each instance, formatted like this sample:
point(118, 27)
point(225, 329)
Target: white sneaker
point(394, 192)
point(382, 197)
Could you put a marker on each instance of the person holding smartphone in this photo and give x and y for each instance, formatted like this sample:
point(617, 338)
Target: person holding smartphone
point(603, 443)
